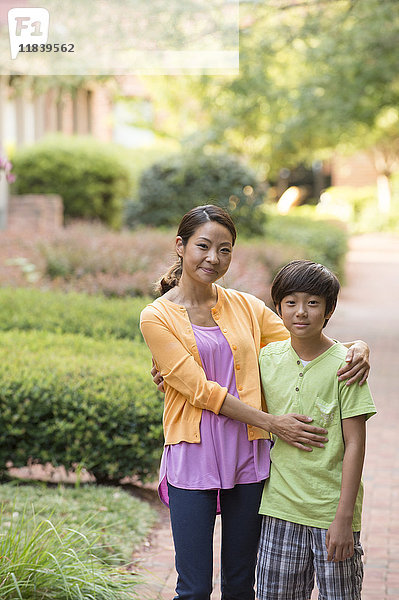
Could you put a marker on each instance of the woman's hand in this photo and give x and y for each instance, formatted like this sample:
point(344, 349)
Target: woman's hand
point(157, 378)
point(358, 367)
point(296, 430)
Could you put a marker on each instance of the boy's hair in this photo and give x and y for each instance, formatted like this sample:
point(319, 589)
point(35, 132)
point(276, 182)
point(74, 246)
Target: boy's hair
point(306, 276)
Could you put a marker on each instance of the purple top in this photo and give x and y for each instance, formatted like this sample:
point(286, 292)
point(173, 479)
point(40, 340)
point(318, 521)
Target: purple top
point(225, 456)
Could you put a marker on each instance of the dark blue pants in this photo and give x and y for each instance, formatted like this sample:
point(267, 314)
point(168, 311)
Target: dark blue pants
point(193, 514)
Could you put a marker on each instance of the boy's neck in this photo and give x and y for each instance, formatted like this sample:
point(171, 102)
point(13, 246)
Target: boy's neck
point(311, 348)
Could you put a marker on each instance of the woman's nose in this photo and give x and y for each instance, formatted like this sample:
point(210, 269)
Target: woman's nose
point(213, 256)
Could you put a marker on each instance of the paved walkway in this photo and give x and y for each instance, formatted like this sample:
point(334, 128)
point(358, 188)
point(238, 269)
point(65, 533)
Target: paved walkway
point(368, 309)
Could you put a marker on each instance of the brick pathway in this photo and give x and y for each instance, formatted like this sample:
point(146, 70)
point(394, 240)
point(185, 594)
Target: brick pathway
point(368, 309)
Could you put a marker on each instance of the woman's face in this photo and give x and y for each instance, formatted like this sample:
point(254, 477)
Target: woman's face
point(207, 254)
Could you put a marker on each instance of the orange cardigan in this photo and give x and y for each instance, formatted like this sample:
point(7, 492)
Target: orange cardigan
point(246, 323)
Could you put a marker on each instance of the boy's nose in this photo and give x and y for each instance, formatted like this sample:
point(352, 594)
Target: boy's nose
point(301, 310)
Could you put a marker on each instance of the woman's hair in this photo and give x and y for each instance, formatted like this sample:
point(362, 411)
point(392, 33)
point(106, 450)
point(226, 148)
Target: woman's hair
point(305, 276)
point(188, 225)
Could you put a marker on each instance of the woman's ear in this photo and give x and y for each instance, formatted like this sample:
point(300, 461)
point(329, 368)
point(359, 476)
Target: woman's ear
point(179, 246)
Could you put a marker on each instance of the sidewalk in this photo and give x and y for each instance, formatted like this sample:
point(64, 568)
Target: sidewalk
point(368, 309)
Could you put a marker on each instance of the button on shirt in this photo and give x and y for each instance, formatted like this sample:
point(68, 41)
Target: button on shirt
point(304, 487)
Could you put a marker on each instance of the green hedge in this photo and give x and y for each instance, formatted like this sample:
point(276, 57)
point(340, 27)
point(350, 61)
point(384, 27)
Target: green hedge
point(322, 241)
point(91, 177)
point(72, 312)
point(69, 400)
point(170, 188)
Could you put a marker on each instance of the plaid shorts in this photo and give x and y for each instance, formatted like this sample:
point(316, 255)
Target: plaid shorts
point(289, 556)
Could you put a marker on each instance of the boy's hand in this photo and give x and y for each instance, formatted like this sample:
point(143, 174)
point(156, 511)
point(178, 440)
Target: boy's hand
point(358, 363)
point(339, 540)
point(157, 378)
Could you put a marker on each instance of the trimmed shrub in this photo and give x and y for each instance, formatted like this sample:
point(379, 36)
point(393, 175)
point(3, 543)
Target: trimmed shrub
point(91, 177)
point(93, 316)
point(70, 400)
point(170, 188)
point(322, 241)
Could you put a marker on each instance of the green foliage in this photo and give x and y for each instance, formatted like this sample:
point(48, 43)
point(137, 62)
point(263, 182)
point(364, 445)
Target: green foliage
point(318, 240)
point(325, 75)
point(139, 159)
point(111, 518)
point(68, 399)
point(93, 316)
point(92, 178)
point(41, 560)
point(172, 187)
point(359, 208)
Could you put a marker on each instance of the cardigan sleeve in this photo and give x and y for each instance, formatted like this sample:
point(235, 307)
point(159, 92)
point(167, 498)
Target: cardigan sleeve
point(178, 366)
point(271, 326)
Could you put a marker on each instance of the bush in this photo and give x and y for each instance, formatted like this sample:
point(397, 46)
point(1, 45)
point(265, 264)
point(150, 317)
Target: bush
point(93, 316)
point(170, 188)
point(89, 258)
point(322, 241)
point(68, 400)
point(91, 177)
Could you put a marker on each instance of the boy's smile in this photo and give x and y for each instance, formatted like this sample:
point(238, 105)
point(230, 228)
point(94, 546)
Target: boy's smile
point(304, 314)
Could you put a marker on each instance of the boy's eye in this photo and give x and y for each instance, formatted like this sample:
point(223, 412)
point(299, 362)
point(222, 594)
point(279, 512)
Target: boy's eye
point(202, 245)
point(226, 250)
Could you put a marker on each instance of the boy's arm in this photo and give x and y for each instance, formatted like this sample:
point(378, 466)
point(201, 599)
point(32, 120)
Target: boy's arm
point(339, 539)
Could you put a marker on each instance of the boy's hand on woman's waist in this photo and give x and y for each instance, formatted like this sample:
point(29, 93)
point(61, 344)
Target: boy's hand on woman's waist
point(157, 378)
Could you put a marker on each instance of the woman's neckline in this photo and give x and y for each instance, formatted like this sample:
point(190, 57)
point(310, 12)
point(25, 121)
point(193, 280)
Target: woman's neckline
point(218, 288)
point(211, 327)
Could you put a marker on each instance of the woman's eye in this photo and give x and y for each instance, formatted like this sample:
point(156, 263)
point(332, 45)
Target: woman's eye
point(226, 250)
point(202, 246)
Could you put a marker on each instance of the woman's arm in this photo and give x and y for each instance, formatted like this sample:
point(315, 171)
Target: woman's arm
point(178, 367)
point(339, 538)
point(292, 428)
point(358, 359)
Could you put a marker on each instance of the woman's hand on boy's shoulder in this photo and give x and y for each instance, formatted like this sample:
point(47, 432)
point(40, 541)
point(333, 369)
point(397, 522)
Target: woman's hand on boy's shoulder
point(358, 363)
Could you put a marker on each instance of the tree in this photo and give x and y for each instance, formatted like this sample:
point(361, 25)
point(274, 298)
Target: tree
point(315, 76)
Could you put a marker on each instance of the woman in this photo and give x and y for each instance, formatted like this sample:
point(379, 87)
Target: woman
point(205, 342)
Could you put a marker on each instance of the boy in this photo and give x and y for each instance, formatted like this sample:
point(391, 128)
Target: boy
point(312, 501)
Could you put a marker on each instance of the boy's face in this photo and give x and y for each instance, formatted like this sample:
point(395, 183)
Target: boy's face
point(304, 314)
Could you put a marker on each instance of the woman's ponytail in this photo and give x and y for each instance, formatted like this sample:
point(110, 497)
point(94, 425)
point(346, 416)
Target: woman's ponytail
point(169, 279)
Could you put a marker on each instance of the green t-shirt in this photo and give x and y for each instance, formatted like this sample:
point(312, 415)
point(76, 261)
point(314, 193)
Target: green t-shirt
point(304, 487)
